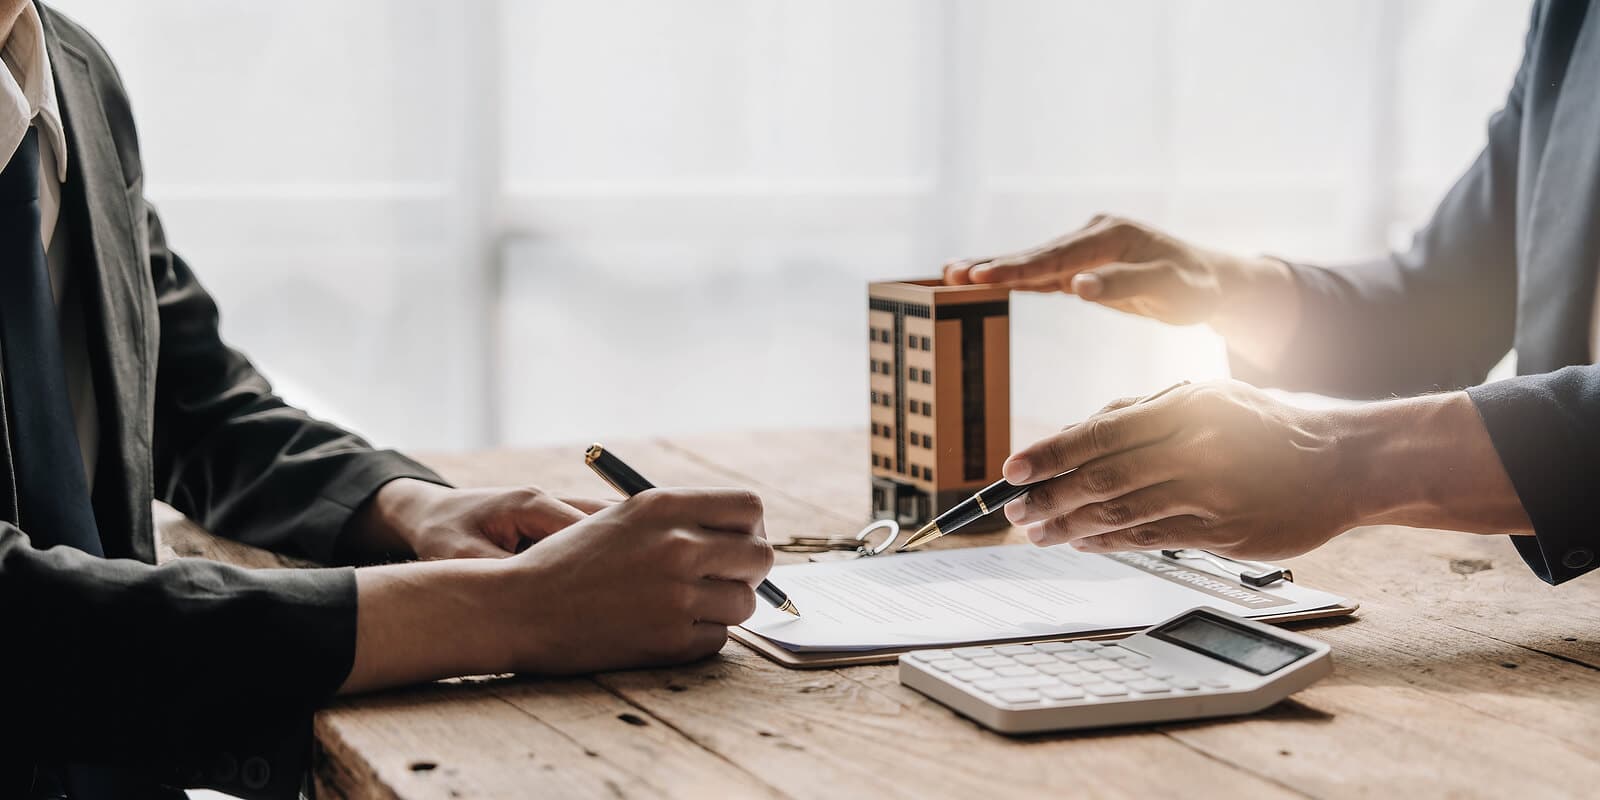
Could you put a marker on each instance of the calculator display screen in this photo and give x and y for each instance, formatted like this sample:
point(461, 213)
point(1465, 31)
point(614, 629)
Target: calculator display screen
point(1239, 646)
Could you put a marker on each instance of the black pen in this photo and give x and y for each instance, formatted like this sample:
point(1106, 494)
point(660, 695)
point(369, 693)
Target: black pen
point(624, 479)
point(988, 500)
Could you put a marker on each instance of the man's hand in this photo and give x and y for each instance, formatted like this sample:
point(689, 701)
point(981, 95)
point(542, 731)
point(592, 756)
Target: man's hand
point(1224, 467)
point(409, 518)
point(1131, 267)
point(652, 580)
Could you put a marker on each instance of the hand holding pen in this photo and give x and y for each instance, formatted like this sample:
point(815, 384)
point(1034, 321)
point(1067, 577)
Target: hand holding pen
point(624, 479)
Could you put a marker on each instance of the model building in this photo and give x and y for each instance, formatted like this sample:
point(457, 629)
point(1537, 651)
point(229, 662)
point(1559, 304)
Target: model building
point(941, 395)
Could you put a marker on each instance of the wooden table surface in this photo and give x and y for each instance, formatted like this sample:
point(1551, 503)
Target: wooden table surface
point(1462, 675)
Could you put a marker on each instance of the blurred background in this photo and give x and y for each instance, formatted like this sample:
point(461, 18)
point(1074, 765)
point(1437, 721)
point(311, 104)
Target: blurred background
point(511, 222)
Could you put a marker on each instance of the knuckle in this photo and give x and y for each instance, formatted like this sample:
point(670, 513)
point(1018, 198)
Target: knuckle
point(1103, 434)
point(745, 604)
point(1115, 513)
point(681, 598)
point(530, 494)
point(1146, 538)
point(1102, 480)
point(699, 647)
point(765, 555)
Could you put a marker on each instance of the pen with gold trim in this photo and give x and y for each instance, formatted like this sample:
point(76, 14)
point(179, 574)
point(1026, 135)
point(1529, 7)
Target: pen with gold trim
point(988, 500)
point(624, 479)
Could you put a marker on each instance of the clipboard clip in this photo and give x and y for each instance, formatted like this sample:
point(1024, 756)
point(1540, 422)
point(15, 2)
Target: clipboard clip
point(1253, 573)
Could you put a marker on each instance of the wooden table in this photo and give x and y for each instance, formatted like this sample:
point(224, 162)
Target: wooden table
point(1463, 675)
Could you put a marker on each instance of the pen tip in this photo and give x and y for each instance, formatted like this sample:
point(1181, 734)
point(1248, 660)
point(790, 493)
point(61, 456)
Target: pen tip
point(788, 605)
point(921, 537)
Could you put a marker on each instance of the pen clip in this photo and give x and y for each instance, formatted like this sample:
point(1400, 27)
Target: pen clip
point(1253, 573)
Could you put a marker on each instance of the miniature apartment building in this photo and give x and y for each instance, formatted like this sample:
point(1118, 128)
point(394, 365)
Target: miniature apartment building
point(941, 396)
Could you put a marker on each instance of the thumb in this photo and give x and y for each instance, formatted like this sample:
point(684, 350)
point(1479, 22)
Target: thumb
point(1113, 282)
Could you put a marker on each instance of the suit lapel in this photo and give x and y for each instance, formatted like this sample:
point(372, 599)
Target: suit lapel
point(1559, 254)
point(96, 208)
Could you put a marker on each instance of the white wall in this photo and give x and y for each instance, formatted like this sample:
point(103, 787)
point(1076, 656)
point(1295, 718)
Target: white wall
point(659, 217)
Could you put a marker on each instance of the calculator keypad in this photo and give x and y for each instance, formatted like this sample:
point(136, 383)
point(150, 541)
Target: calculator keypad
point(1058, 672)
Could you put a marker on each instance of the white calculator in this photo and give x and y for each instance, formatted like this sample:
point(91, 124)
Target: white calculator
point(1201, 663)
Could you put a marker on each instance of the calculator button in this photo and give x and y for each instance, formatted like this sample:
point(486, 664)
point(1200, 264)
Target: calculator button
point(1115, 652)
point(1158, 673)
point(1098, 665)
point(1072, 656)
point(1135, 661)
point(1054, 647)
point(925, 655)
point(1106, 689)
point(993, 661)
point(1061, 692)
point(1002, 684)
point(1187, 684)
point(950, 665)
point(1080, 678)
point(1149, 686)
point(1036, 659)
point(1091, 647)
point(973, 674)
point(1058, 668)
point(1015, 671)
point(1013, 650)
point(972, 652)
point(1124, 675)
point(1213, 683)
point(1018, 695)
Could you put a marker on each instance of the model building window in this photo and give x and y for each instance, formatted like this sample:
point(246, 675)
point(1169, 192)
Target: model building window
point(912, 436)
point(883, 336)
point(927, 344)
point(927, 441)
point(916, 472)
point(875, 459)
point(927, 376)
point(888, 431)
point(874, 429)
point(927, 472)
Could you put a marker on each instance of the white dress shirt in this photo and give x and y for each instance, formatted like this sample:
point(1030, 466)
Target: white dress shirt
point(28, 99)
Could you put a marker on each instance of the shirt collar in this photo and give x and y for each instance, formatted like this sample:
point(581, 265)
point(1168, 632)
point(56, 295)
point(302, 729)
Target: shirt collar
point(29, 88)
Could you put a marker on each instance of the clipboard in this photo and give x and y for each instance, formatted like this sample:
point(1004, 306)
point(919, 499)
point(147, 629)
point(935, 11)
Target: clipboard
point(1246, 572)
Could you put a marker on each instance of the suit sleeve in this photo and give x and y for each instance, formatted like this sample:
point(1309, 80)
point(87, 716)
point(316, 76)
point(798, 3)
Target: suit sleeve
point(176, 673)
point(232, 455)
point(1546, 428)
point(1437, 316)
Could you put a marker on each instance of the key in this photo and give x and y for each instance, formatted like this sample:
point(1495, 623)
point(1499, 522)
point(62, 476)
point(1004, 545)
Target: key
point(974, 674)
point(1124, 675)
point(1074, 656)
point(1158, 673)
point(1186, 684)
point(1002, 684)
point(1018, 695)
point(1091, 647)
point(1098, 665)
point(1214, 683)
point(925, 655)
point(972, 652)
point(1079, 678)
point(1062, 692)
point(1015, 672)
point(1106, 689)
point(1013, 650)
point(949, 665)
point(993, 661)
point(1059, 668)
point(1036, 659)
point(1149, 686)
point(1118, 653)
point(1135, 661)
point(1054, 647)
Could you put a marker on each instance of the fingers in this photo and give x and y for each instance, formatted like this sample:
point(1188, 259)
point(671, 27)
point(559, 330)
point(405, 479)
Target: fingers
point(1102, 242)
point(588, 505)
point(1113, 432)
point(735, 557)
point(1151, 504)
point(1117, 282)
point(1172, 533)
point(1101, 480)
point(1121, 402)
point(541, 513)
point(732, 510)
point(959, 273)
point(723, 602)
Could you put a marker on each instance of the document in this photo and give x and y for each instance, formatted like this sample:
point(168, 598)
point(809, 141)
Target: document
point(982, 594)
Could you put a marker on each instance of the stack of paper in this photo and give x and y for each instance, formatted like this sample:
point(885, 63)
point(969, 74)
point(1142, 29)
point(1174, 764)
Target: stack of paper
point(984, 594)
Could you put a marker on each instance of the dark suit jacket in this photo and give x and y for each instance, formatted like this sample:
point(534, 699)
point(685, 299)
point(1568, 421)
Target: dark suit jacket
point(1509, 259)
point(192, 673)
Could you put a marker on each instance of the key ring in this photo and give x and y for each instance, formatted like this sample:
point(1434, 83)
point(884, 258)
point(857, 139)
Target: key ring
point(892, 526)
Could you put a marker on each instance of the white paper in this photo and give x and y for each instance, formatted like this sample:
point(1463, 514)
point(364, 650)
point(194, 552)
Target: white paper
point(982, 594)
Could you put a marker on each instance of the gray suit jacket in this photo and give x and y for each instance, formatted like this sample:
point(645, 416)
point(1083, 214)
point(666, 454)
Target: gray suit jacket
point(193, 673)
point(1510, 259)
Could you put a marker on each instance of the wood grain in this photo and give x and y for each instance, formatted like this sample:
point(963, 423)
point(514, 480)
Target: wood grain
point(1462, 676)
